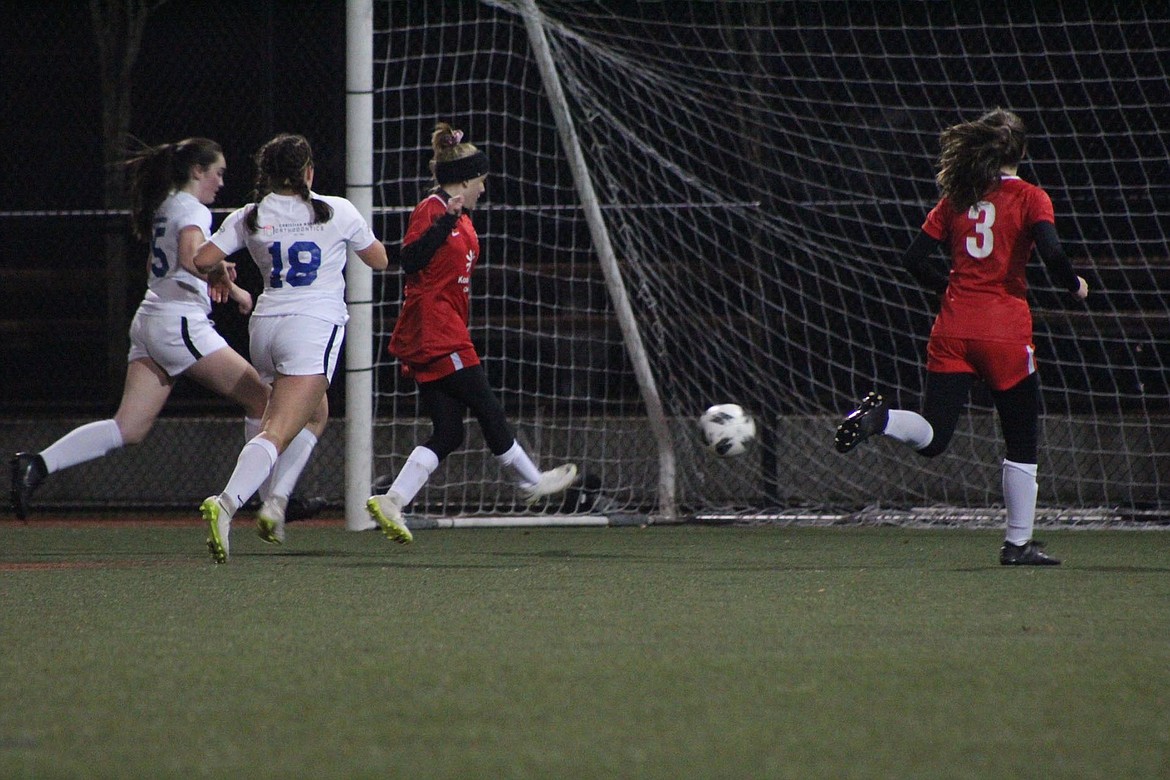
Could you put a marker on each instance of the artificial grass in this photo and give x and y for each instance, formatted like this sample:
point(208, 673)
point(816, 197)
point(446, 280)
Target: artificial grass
point(601, 652)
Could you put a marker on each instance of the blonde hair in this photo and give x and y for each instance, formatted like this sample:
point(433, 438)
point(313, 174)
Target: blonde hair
point(455, 159)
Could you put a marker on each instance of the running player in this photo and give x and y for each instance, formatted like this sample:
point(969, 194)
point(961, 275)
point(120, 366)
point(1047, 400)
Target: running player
point(432, 342)
point(298, 239)
point(171, 186)
point(989, 220)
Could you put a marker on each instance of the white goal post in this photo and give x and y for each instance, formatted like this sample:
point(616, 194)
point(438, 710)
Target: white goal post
point(359, 282)
point(702, 202)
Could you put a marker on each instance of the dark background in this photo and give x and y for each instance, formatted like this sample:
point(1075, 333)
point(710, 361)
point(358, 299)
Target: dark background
point(235, 72)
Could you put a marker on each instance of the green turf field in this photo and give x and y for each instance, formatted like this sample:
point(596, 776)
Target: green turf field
point(581, 653)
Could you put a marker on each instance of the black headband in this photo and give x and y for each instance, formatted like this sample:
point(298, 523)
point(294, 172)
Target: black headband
point(463, 169)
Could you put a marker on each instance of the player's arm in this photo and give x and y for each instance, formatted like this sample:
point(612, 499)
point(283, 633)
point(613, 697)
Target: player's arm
point(1056, 261)
point(921, 259)
point(417, 254)
point(209, 261)
point(190, 239)
point(220, 280)
point(374, 256)
point(208, 258)
point(241, 297)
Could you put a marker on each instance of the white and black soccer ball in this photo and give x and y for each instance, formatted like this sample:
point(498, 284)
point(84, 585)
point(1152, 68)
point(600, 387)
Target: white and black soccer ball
point(727, 429)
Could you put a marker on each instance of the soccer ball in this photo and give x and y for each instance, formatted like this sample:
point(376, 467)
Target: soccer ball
point(727, 429)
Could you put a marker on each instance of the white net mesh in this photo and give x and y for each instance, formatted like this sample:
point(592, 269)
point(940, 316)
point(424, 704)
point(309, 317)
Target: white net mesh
point(760, 167)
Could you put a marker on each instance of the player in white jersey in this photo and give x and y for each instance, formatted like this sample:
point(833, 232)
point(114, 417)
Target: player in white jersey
point(171, 335)
point(299, 241)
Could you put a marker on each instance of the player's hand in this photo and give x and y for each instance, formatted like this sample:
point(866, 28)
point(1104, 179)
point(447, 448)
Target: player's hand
point(243, 299)
point(221, 272)
point(1083, 290)
point(455, 204)
point(220, 281)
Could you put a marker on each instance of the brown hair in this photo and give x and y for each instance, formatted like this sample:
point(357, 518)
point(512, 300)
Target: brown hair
point(280, 165)
point(156, 170)
point(973, 154)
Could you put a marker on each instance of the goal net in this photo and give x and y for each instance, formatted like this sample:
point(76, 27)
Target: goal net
point(758, 169)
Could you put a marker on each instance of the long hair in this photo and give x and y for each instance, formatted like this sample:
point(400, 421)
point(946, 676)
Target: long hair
point(280, 165)
point(973, 154)
point(154, 171)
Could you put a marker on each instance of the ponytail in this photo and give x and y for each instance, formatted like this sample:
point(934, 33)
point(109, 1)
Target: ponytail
point(154, 171)
point(280, 165)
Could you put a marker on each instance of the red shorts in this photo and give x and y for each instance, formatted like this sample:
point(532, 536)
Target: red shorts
point(440, 367)
point(1000, 364)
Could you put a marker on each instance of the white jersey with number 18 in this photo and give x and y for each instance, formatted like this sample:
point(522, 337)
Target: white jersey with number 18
point(302, 261)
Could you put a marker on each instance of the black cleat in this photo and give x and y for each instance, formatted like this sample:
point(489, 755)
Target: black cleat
point(303, 508)
point(28, 472)
point(869, 418)
point(1026, 554)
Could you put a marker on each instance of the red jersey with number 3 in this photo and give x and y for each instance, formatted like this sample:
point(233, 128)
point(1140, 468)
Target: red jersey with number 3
point(990, 245)
point(431, 337)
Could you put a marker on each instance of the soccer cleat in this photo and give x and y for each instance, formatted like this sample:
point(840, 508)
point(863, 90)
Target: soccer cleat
point(303, 508)
point(270, 522)
point(551, 481)
point(869, 418)
point(219, 524)
point(1029, 553)
point(388, 515)
point(28, 472)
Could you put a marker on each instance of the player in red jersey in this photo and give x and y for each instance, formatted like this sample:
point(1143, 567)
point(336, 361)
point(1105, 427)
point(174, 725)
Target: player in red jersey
point(431, 339)
point(989, 220)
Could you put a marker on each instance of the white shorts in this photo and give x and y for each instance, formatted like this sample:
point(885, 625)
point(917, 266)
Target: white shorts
point(294, 345)
point(173, 341)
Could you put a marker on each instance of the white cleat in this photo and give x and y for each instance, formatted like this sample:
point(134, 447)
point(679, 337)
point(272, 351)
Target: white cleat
point(387, 513)
point(551, 482)
point(219, 525)
point(270, 522)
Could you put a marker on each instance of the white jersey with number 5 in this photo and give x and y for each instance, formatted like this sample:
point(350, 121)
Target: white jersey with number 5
point(169, 286)
point(302, 261)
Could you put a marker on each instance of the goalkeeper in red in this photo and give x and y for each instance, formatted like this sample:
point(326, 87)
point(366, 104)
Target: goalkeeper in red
point(432, 342)
point(989, 220)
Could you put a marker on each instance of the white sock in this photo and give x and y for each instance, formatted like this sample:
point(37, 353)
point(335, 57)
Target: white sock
point(92, 440)
point(252, 428)
point(289, 466)
point(1019, 497)
point(524, 472)
point(415, 473)
point(256, 461)
point(909, 428)
point(281, 504)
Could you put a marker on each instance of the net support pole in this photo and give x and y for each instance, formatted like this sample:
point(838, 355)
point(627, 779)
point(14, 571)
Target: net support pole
point(359, 279)
point(667, 505)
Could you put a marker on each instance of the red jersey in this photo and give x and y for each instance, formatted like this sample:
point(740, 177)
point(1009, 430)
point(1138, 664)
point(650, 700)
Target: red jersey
point(431, 337)
point(990, 246)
